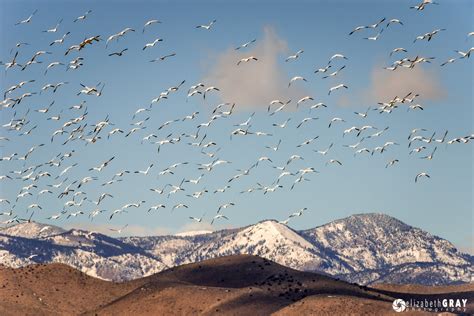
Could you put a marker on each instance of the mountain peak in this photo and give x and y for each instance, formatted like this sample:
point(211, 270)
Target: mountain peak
point(367, 222)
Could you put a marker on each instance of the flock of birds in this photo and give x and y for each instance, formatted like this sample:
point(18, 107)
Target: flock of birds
point(51, 177)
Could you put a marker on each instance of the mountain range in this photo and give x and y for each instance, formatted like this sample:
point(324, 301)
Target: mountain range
point(363, 248)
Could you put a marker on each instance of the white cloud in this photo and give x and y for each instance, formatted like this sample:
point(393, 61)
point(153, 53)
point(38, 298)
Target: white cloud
point(388, 84)
point(255, 83)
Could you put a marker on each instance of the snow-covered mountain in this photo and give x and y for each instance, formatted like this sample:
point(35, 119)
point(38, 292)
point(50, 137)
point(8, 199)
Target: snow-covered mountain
point(93, 253)
point(377, 247)
point(363, 248)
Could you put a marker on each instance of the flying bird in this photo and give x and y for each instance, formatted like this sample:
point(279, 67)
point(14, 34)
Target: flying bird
point(28, 20)
point(294, 56)
point(206, 27)
point(120, 53)
point(163, 57)
point(421, 174)
point(83, 17)
point(152, 44)
point(245, 45)
point(150, 22)
point(246, 60)
point(339, 86)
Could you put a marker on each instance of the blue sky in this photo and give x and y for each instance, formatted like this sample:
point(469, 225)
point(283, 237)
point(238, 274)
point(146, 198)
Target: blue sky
point(441, 205)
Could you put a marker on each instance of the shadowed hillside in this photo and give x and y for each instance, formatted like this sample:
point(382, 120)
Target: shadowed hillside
point(233, 285)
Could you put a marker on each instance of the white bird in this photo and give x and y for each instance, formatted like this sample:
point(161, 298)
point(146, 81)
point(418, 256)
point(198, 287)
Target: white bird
point(197, 219)
point(150, 22)
point(51, 65)
point(218, 216)
point(339, 86)
point(75, 214)
point(156, 207)
point(285, 222)
point(465, 54)
point(180, 205)
point(449, 61)
point(118, 35)
point(56, 216)
point(423, 4)
point(275, 148)
point(317, 106)
point(296, 78)
point(60, 40)
point(54, 29)
point(350, 130)
point(441, 140)
point(373, 26)
point(298, 180)
point(103, 165)
point(333, 74)
point(194, 181)
point(391, 163)
point(283, 105)
point(421, 174)
point(14, 63)
point(222, 190)
point(247, 59)
point(308, 141)
point(336, 119)
point(135, 205)
point(295, 56)
point(83, 17)
point(364, 115)
point(362, 150)
point(340, 56)
point(293, 158)
point(197, 194)
point(152, 44)
point(246, 44)
point(374, 38)
point(334, 161)
point(378, 133)
point(428, 36)
point(35, 206)
point(206, 27)
point(323, 70)
point(145, 172)
point(271, 189)
point(417, 150)
point(304, 99)
point(430, 156)
point(28, 20)
point(415, 107)
point(208, 89)
point(119, 231)
point(358, 28)
point(324, 152)
point(306, 119)
point(397, 50)
point(392, 21)
point(224, 206)
point(298, 213)
point(282, 125)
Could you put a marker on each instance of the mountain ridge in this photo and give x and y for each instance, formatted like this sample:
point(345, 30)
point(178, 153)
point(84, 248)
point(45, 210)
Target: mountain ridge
point(365, 248)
